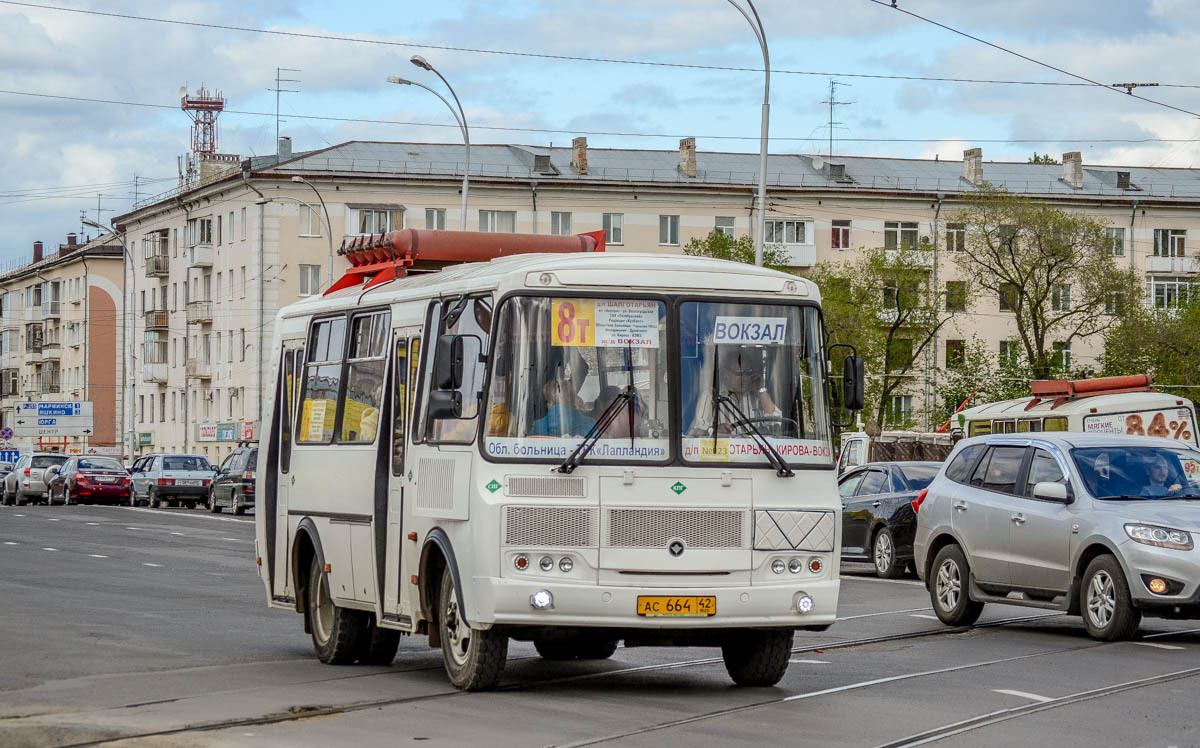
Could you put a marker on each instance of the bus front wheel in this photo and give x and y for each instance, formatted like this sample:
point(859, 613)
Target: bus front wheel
point(474, 658)
point(335, 631)
point(757, 658)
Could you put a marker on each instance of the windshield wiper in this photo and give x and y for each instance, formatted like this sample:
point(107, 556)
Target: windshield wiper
point(593, 435)
point(782, 469)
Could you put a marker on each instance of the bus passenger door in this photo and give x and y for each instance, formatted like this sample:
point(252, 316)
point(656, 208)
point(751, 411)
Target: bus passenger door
point(399, 565)
point(293, 367)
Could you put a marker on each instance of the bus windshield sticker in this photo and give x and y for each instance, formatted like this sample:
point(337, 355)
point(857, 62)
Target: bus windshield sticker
point(605, 323)
point(750, 330)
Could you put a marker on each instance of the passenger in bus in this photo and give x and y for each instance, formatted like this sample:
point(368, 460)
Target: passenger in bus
point(619, 427)
point(740, 377)
point(562, 417)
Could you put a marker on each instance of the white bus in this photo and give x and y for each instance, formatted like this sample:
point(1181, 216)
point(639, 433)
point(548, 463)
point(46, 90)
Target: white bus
point(571, 449)
point(1105, 405)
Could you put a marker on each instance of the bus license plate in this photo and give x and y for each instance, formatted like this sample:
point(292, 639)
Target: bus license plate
point(693, 605)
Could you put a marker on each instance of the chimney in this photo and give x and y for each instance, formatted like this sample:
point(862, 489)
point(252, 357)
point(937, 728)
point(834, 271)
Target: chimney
point(37, 251)
point(285, 149)
point(579, 155)
point(973, 165)
point(1072, 172)
point(72, 239)
point(687, 156)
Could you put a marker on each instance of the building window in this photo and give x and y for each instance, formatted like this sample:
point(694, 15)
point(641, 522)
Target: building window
point(1008, 297)
point(310, 221)
point(1009, 351)
point(614, 228)
point(242, 343)
point(162, 407)
point(310, 279)
point(724, 225)
point(204, 231)
point(243, 281)
point(1116, 241)
point(141, 408)
point(1169, 242)
point(498, 221)
point(243, 223)
point(1060, 298)
point(956, 296)
point(218, 229)
point(1062, 355)
point(560, 223)
point(897, 234)
point(956, 353)
point(841, 235)
point(901, 410)
point(900, 354)
point(956, 237)
point(668, 230)
point(786, 232)
point(435, 219)
point(1167, 292)
point(379, 220)
point(230, 227)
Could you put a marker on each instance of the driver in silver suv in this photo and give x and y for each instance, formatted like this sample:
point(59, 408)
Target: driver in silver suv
point(1102, 526)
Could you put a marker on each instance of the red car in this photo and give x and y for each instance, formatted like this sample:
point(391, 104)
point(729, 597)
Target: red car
point(89, 480)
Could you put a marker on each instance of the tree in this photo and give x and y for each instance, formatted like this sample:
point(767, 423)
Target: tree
point(1051, 268)
point(1161, 342)
point(1045, 158)
point(722, 246)
point(885, 305)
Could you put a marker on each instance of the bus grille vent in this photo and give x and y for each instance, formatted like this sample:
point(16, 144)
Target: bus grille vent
point(656, 528)
point(781, 530)
point(435, 487)
point(545, 487)
point(550, 526)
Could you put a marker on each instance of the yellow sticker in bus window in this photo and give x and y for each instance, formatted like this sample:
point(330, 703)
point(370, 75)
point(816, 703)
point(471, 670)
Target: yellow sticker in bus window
point(573, 322)
point(714, 450)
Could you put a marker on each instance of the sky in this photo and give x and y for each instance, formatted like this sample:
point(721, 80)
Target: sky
point(89, 100)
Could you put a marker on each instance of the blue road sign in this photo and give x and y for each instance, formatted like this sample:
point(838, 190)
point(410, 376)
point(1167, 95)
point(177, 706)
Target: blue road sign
point(10, 455)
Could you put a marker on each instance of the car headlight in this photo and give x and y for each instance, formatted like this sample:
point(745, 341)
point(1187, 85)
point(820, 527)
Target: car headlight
point(1162, 537)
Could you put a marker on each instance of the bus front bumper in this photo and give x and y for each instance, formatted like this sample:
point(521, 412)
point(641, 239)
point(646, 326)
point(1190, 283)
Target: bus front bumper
point(510, 602)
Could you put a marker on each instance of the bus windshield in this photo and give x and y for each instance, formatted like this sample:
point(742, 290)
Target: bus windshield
point(753, 366)
point(561, 362)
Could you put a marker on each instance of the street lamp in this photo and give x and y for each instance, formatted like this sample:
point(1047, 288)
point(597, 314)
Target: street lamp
point(328, 225)
point(761, 34)
point(460, 116)
point(127, 373)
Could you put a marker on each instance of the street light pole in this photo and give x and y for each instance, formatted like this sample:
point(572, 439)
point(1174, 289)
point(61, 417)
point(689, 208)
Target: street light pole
point(460, 116)
point(328, 225)
point(760, 224)
point(127, 372)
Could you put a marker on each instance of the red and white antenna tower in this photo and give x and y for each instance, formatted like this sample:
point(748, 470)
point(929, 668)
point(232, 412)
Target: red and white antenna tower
point(203, 108)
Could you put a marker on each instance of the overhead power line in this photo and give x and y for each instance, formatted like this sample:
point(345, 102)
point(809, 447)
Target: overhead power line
point(612, 133)
point(544, 55)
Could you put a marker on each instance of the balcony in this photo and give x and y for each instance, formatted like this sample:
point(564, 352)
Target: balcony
point(157, 319)
point(198, 368)
point(200, 256)
point(912, 256)
point(34, 313)
point(1185, 264)
point(51, 309)
point(10, 321)
point(157, 266)
point(154, 373)
point(51, 351)
point(33, 354)
point(199, 312)
point(49, 388)
point(31, 394)
point(799, 255)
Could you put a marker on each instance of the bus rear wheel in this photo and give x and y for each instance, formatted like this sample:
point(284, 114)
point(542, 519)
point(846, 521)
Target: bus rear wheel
point(474, 658)
point(378, 645)
point(336, 632)
point(757, 658)
point(575, 648)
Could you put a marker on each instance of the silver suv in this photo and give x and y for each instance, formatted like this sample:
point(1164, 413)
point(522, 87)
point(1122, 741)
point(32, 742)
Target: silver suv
point(1101, 526)
point(26, 481)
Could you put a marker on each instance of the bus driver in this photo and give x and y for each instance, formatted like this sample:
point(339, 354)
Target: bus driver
point(740, 377)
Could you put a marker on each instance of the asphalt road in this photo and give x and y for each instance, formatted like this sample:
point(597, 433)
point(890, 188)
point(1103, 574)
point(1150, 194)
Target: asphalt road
point(138, 627)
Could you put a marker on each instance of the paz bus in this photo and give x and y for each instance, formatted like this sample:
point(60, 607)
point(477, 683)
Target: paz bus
point(481, 437)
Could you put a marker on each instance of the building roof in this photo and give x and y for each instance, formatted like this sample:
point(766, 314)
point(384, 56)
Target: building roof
point(106, 245)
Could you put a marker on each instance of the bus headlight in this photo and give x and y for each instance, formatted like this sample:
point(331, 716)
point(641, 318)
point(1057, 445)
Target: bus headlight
point(804, 604)
point(795, 566)
point(778, 566)
point(541, 600)
point(546, 563)
point(565, 564)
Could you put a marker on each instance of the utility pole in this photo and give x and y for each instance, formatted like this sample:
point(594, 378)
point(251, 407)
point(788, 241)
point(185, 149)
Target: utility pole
point(832, 102)
point(280, 90)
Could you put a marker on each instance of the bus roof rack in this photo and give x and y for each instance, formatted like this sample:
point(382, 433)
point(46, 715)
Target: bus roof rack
point(1066, 390)
point(379, 258)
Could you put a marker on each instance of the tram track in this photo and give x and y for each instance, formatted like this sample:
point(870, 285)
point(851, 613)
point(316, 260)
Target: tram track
point(318, 711)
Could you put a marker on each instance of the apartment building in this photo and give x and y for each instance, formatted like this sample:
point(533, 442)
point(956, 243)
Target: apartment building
point(60, 338)
point(215, 260)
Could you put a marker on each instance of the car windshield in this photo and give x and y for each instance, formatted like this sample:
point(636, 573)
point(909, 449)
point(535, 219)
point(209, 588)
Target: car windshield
point(45, 461)
point(1127, 472)
point(99, 463)
point(918, 476)
point(185, 462)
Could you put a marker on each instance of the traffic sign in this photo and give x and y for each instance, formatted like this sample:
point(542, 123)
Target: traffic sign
point(54, 418)
point(55, 408)
point(6, 434)
point(10, 455)
point(35, 431)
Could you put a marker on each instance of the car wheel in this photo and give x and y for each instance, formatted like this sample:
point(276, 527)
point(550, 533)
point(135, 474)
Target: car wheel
point(948, 589)
point(152, 499)
point(67, 497)
point(474, 658)
point(212, 502)
point(757, 658)
point(378, 645)
point(238, 509)
point(883, 552)
point(335, 631)
point(1104, 600)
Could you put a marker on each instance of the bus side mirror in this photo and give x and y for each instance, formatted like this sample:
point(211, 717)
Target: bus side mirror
point(445, 404)
point(854, 389)
point(448, 362)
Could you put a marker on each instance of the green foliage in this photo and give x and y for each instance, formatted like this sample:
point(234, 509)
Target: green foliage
point(721, 246)
point(1164, 343)
point(1045, 158)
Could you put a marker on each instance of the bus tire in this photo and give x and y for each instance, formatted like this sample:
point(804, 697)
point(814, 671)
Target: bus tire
point(757, 658)
point(474, 658)
point(378, 645)
point(575, 648)
point(335, 631)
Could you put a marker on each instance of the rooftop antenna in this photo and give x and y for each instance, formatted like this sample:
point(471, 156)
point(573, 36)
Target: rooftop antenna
point(203, 108)
point(832, 102)
point(279, 89)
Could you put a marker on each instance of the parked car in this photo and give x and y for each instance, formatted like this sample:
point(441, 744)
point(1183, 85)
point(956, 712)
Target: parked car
point(233, 485)
point(25, 483)
point(878, 521)
point(160, 479)
point(89, 480)
point(1102, 526)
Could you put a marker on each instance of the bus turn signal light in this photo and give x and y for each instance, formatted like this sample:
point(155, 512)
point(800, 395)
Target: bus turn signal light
point(328, 568)
point(412, 536)
point(916, 503)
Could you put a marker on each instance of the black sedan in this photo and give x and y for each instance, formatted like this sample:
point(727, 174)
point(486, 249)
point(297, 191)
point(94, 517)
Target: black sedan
point(878, 521)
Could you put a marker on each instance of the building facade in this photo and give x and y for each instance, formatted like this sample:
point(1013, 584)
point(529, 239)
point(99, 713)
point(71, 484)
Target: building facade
point(215, 261)
point(61, 338)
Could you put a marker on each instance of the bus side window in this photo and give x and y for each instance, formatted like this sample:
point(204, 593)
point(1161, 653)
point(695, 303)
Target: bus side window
point(399, 401)
point(322, 381)
point(285, 411)
point(362, 394)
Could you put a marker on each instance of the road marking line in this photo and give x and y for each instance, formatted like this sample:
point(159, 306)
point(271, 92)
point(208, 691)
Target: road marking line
point(18, 515)
point(1023, 695)
point(9, 542)
point(133, 528)
point(192, 515)
point(922, 615)
point(53, 520)
point(237, 540)
point(884, 613)
point(96, 555)
point(1171, 633)
point(1156, 645)
point(177, 533)
point(845, 577)
point(49, 549)
point(154, 565)
point(93, 524)
point(809, 662)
